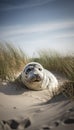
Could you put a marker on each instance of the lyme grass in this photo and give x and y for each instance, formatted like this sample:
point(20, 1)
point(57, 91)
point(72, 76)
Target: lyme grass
point(56, 62)
point(12, 60)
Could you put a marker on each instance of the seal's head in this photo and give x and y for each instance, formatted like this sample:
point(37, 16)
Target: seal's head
point(32, 75)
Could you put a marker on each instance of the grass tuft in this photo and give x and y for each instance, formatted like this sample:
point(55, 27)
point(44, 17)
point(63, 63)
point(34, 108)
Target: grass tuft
point(56, 62)
point(12, 60)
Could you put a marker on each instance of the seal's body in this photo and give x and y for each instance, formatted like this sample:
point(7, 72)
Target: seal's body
point(35, 77)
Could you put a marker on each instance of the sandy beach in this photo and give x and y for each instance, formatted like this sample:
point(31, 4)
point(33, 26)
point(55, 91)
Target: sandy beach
point(24, 109)
point(36, 64)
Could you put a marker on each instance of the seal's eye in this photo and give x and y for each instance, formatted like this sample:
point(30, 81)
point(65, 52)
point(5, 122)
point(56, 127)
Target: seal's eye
point(40, 69)
point(28, 70)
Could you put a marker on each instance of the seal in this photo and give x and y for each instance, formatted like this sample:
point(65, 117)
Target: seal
point(35, 77)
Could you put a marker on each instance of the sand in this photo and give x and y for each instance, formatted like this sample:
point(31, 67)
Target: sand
point(24, 109)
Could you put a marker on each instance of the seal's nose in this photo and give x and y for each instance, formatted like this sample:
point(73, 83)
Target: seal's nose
point(37, 76)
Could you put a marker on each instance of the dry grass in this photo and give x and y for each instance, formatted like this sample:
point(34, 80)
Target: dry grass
point(68, 89)
point(55, 62)
point(12, 60)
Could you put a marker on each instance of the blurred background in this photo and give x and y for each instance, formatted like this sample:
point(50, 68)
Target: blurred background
point(38, 24)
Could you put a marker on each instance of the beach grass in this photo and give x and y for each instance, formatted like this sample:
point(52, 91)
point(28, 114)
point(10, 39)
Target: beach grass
point(54, 61)
point(12, 60)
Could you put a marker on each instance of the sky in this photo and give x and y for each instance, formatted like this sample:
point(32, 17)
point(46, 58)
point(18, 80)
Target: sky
point(35, 25)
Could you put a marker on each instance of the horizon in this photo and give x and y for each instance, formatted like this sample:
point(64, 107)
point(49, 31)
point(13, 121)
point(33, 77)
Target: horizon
point(38, 24)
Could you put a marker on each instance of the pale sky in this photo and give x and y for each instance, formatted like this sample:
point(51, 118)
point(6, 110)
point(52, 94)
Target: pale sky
point(38, 24)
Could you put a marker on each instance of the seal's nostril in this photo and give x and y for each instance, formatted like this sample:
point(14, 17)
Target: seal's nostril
point(37, 76)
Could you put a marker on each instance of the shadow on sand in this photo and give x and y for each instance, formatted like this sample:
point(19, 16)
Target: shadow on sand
point(12, 88)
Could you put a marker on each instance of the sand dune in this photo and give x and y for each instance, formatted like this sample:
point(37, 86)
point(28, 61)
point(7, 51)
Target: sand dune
point(24, 109)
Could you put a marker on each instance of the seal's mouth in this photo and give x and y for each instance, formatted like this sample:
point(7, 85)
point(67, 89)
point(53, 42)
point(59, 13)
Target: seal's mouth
point(37, 80)
point(34, 79)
